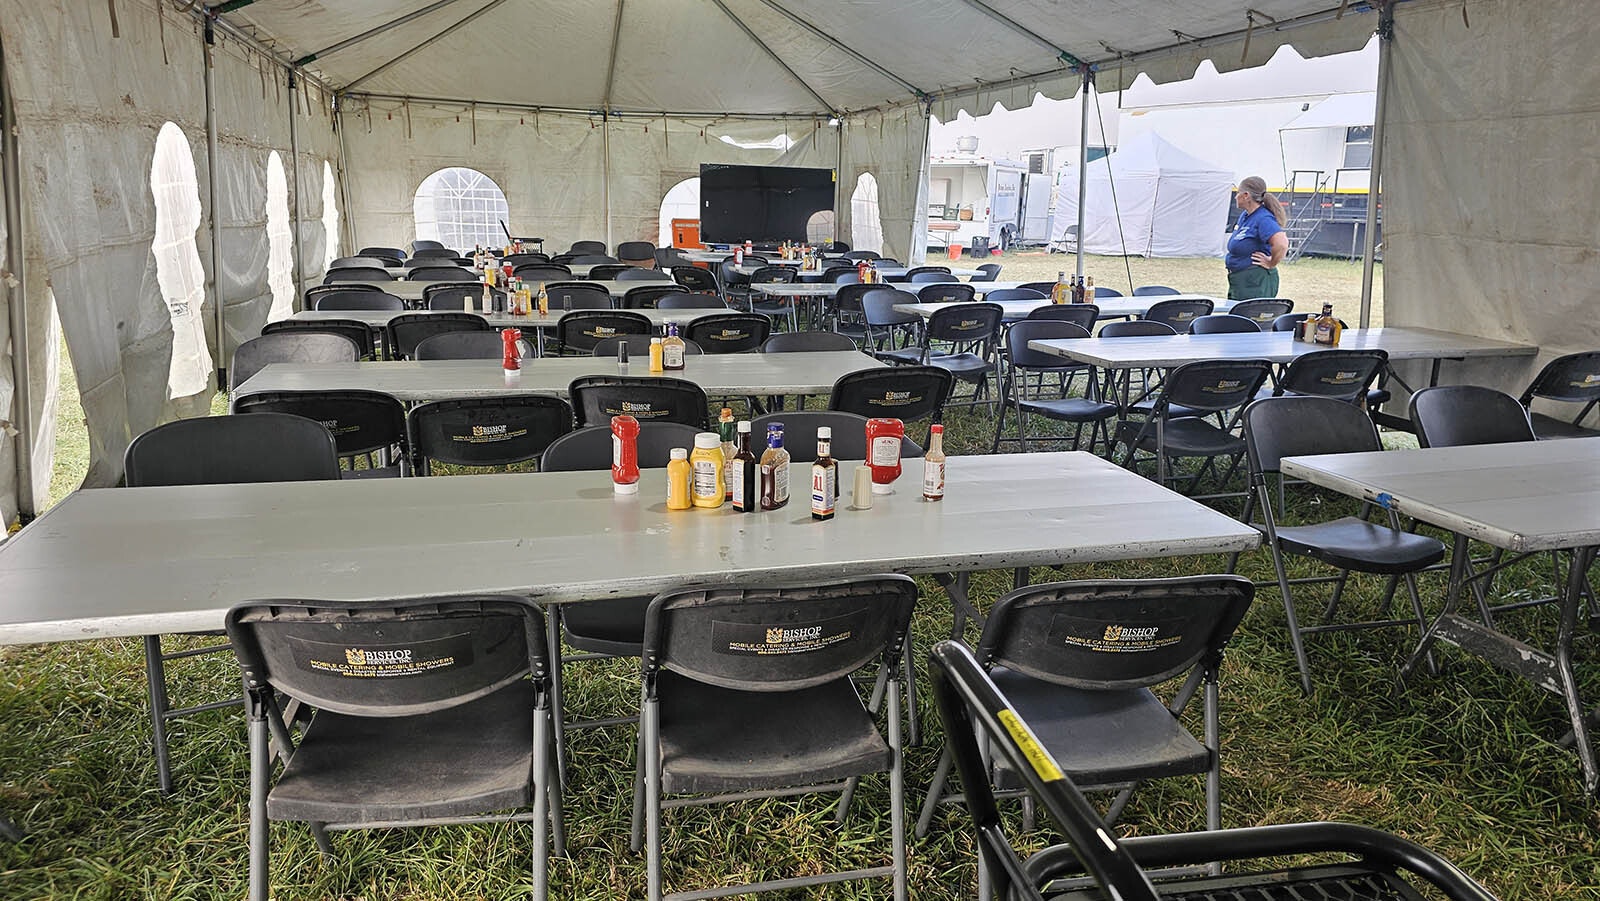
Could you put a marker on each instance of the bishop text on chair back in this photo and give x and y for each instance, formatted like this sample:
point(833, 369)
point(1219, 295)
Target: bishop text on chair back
point(432, 709)
point(945, 292)
point(1178, 313)
point(1338, 373)
point(578, 332)
point(1263, 312)
point(748, 693)
point(700, 281)
point(729, 333)
point(486, 431)
point(597, 398)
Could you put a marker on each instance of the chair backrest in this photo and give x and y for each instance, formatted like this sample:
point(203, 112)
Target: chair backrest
point(601, 272)
point(407, 330)
point(523, 259)
point(390, 658)
point(473, 345)
point(696, 279)
point(848, 298)
point(1030, 329)
point(1455, 415)
point(1574, 378)
point(930, 277)
point(648, 297)
point(439, 274)
point(1213, 385)
point(288, 347)
point(778, 638)
point(1013, 294)
point(638, 346)
point(595, 259)
point(1100, 292)
point(1262, 311)
point(578, 331)
point(487, 431)
point(1340, 374)
point(1222, 324)
point(425, 244)
point(946, 292)
point(773, 275)
point(686, 301)
point(347, 262)
point(902, 392)
point(1278, 427)
point(597, 398)
point(1288, 322)
point(454, 296)
point(729, 333)
point(578, 296)
point(316, 291)
point(888, 262)
point(542, 272)
point(589, 449)
point(361, 421)
point(383, 253)
point(1178, 313)
point(216, 450)
point(356, 331)
point(357, 274)
point(990, 272)
point(860, 255)
point(966, 323)
point(728, 273)
point(1153, 291)
point(639, 274)
point(637, 252)
point(841, 275)
point(434, 253)
point(580, 248)
point(877, 306)
point(1043, 288)
point(672, 258)
point(1082, 314)
point(1114, 634)
point(849, 434)
point(807, 341)
point(350, 301)
point(1137, 328)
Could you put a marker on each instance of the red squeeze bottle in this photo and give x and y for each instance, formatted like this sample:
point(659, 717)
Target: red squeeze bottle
point(624, 454)
point(511, 358)
point(883, 452)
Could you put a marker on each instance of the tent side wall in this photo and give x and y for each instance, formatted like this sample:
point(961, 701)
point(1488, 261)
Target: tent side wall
point(1490, 219)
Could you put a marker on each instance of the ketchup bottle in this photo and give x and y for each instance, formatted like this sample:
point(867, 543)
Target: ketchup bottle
point(624, 454)
point(883, 452)
point(511, 355)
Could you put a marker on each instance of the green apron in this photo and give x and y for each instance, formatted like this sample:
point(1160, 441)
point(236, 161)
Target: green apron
point(1248, 284)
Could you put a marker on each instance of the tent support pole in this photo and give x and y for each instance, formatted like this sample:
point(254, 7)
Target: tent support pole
point(1083, 153)
point(213, 165)
point(605, 181)
point(22, 393)
point(294, 174)
point(917, 255)
point(347, 223)
point(838, 184)
point(1375, 175)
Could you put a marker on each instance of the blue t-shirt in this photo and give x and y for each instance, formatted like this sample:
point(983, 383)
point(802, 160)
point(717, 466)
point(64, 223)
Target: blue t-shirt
point(1251, 233)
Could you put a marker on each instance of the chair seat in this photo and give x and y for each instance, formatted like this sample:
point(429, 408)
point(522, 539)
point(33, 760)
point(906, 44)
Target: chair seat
point(1101, 737)
point(1070, 409)
point(472, 758)
point(718, 740)
point(1550, 427)
point(1352, 543)
point(1147, 406)
point(613, 626)
point(964, 366)
point(1186, 437)
point(911, 356)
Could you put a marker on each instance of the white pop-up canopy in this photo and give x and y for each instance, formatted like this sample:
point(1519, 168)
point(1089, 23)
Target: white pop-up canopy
point(1147, 199)
point(586, 111)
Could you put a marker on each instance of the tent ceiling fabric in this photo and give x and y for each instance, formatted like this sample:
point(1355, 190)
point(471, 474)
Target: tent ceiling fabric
point(770, 57)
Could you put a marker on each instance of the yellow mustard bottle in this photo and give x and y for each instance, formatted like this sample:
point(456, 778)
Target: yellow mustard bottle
point(678, 478)
point(708, 489)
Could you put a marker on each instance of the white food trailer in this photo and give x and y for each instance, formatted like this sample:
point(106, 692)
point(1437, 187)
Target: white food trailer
point(972, 197)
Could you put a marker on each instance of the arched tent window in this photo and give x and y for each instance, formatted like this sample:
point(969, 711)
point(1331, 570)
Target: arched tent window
point(176, 193)
point(866, 226)
point(460, 208)
point(280, 261)
point(682, 202)
point(330, 216)
point(819, 228)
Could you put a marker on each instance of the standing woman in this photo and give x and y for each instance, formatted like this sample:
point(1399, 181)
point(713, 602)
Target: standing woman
point(1258, 242)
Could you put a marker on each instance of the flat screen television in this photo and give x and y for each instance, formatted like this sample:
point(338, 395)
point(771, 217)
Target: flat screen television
point(765, 204)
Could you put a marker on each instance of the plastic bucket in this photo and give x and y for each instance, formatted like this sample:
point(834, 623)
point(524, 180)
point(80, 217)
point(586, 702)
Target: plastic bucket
point(955, 250)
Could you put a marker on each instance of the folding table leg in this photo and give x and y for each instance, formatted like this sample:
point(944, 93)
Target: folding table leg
point(1452, 594)
point(9, 830)
point(1577, 579)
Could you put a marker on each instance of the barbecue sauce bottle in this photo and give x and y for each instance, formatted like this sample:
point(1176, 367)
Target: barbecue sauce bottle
point(743, 477)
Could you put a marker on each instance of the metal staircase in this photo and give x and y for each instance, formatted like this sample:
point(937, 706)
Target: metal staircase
point(1307, 210)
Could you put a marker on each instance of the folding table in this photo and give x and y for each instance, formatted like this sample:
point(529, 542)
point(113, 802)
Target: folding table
point(1526, 496)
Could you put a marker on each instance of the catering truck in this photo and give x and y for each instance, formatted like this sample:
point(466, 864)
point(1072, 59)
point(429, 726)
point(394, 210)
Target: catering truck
point(975, 200)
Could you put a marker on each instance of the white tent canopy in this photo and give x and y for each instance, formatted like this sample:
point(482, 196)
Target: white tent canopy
point(1146, 199)
point(1338, 111)
point(586, 111)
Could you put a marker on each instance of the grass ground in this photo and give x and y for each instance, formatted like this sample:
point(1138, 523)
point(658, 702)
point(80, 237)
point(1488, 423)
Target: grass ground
point(1465, 762)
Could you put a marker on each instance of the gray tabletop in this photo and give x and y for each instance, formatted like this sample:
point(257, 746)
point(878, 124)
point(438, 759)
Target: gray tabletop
point(425, 380)
point(1527, 496)
point(884, 271)
point(1110, 308)
point(1278, 347)
point(135, 561)
point(412, 291)
point(380, 318)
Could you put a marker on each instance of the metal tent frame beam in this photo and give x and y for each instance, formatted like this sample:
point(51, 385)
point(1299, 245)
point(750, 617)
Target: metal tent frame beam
point(374, 32)
point(842, 48)
point(21, 388)
point(773, 55)
point(616, 39)
point(488, 7)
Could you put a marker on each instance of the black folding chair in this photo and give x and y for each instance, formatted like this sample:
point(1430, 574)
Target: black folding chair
point(605, 271)
point(1154, 291)
point(439, 274)
point(357, 274)
point(407, 330)
point(968, 336)
point(974, 709)
point(386, 253)
point(1572, 379)
point(1027, 399)
point(807, 342)
point(579, 331)
point(1080, 660)
point(457, 296)
point(542, 272)
point(946, 292)
point(430, 710)
point(362, 299)
point(356, 331)
point(256, 354)
point(1083, 315)
point(697, 280)
point(1279, 427)
point(689, 301)
point(849, 434)
point(579, 248)
point(748, 694)
point(597, 398)
point(904, 392)
point(729, 333)
point(887, 327)
point(567, 296)
point(649, 296)
point(1262, 312)
point(270, 447)
point(1175, 427)
point(1222, 324)
point(473, 345)
point(1177, 313)
point(486, 431)
point(638, 347)
point(363, 423)
point(637, 274)
point(1339, 374)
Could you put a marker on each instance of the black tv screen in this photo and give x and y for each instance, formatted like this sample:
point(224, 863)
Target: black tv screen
point(761, 203)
